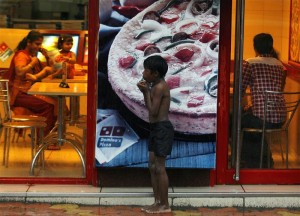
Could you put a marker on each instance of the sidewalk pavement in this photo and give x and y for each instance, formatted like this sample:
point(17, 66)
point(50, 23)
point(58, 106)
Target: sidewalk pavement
point(238, 196)
point(40, 209)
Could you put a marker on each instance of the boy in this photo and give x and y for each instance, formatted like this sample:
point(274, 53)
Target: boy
point(157, 100)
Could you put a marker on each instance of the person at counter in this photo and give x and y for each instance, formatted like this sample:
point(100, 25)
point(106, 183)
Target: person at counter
point(24, 63)
point(261, 73)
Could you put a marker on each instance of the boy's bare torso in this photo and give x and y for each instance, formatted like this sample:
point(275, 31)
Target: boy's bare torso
point(161, 92)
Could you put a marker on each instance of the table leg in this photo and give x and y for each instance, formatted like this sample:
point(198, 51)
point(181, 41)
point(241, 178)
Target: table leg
point(61, 137)
point(48, 141)
point(60, 120)
point(74, 109)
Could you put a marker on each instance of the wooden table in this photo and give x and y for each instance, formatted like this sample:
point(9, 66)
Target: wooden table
point(53, 89)
point(74, 100)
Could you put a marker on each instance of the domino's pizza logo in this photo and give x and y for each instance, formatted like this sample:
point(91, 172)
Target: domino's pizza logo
point(111, 136)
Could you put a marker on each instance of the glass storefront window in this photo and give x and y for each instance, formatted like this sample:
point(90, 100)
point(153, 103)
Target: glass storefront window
point(273, 19)
point(66, 158)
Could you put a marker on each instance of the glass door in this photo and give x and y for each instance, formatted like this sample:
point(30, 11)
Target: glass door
point(248, 20)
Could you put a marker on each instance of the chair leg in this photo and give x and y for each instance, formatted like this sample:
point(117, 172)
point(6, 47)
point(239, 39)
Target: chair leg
point(268, 154)
point(40, 141)
point(261, 150)
point(32, 132)
point(7, 136)
point(18, 135)
point(4, 146)
point(281, 150)
point(13, 137)
point(287, 148)
point(1, 131)
point(24, 135)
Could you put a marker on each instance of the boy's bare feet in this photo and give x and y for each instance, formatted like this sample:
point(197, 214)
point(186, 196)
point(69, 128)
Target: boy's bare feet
point(30, 76)
point(159, 209)
point(145, 208)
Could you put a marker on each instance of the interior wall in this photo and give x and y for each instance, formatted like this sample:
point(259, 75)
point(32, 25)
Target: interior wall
point(267, 16)
point(44, 9)
point(11, 37)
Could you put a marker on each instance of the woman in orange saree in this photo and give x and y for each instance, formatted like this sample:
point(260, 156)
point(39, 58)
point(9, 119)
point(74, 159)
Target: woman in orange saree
point(24, 64)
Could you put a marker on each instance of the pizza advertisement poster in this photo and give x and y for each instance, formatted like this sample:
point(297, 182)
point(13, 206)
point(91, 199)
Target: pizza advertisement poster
point(5, 51)
point(186, 34)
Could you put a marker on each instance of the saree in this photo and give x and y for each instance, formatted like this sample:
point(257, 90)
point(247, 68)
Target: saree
point(19, 84)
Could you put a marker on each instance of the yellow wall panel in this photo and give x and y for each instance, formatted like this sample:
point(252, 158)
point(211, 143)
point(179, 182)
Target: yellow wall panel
point(11, 37)
point(269, 16)
point(272, 5)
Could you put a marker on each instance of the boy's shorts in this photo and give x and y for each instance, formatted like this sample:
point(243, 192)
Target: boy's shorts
point(161, 138)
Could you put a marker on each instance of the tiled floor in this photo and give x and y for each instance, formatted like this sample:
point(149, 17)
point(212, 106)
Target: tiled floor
point(58, 163)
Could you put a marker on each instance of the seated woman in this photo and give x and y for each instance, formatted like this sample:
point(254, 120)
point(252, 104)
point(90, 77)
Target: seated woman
point(23, 65)
point(261, 73)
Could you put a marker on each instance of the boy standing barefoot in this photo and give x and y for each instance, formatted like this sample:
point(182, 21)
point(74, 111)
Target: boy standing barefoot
point(157, 100)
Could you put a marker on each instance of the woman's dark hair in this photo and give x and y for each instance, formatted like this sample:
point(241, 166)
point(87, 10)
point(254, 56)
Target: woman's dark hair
point(32, 36)
point(156, 63)
point(263, 44)
point(64, 38)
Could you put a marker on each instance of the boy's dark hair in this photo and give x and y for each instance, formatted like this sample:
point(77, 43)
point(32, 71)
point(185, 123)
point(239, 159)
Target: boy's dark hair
point(64, 38)
point(32, 36)
point(156, 63)
point(263, 43)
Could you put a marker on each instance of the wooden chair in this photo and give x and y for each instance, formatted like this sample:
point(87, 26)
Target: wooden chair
point(271, 105)
point(9, 123)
